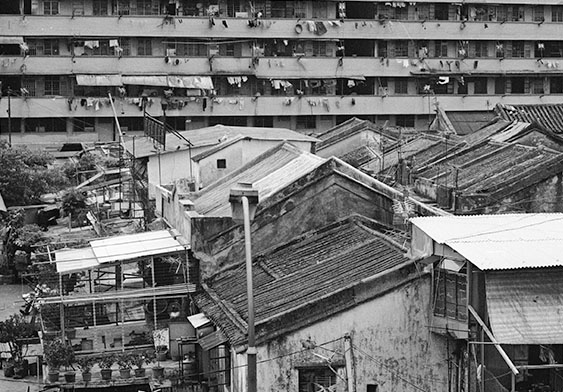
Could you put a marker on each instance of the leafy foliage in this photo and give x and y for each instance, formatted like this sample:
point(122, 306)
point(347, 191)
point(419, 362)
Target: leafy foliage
point(25, 175)
point(85, 363)
point(57, 353)
point(73, 202)
point(106, 361)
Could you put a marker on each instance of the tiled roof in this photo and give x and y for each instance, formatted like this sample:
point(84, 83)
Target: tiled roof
point(300, 272)
point(421, 150)
point(211, 136)
point(346, 129)
point(360, 156)
point(488, 166)
point(268, 173)
point(549, 116)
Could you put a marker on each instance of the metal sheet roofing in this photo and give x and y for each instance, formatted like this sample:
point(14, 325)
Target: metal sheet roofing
point(498, 242)
point(301, 272)
point(211, 136)
point(132, 246)
point(268, 173)
point(72, 260)
point(549, 116)
point(525, 308)
point(120, 248)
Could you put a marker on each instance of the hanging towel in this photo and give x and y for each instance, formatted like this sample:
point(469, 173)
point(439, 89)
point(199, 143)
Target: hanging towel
point(113, 43)
point(320, 28)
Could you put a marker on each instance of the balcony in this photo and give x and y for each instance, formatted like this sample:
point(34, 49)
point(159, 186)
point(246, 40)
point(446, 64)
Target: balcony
point(279, 67)
point(272, 105)
point(198, 27)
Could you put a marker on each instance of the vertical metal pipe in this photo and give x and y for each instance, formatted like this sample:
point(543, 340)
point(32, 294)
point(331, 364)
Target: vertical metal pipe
point(251, 351)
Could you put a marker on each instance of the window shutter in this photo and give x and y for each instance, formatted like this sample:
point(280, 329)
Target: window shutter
point(308, 48)
point(471, 49)
point(508, 48)
point(508, 86)
point(431, 11)
point(391, 49)
point(267, 8)
point(452, 12)
point(527, 86)
point(432, 48)
point(450, 88)
point(412, 49)
point(527, 49)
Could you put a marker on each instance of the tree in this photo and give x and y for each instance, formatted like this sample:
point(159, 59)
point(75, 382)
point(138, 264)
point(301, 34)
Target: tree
point(25, 175)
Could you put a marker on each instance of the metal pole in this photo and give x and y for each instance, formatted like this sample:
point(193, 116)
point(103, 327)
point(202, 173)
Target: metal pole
point(9, 117)
point(251, 351)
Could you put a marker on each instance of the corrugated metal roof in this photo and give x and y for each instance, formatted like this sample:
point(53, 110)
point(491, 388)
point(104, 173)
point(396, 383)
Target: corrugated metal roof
point(132, 246)
point(497, 242)
point(268, 173)
point(549, 116)
point(526, 308)
point(211, 136)
point(301, 272)
point(71, 260)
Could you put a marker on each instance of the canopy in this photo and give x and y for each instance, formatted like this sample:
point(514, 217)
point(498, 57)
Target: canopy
point(98, 80)
point(145, 80)
point(11, 40)
point(199, 82)
point(525, 306)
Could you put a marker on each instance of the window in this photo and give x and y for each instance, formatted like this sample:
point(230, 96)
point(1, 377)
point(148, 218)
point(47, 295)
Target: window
point(371, 388)
point(441, 11)
point(51, 47)
point(320, 9)
point(557, 13)
point(481, 49)
point(401, 48)
point(518, 85)
point(220, 365)
point(221, 163)
point(83, 124)
point(538, 14)
point(441, 48)
point(450, 294)
point(556, 85)
point(319, 48)
point(382, 48)
point(34, 124)
point(52, 85)
point(517, 13)
point(100, 7)
point(499, 49)
point(405, 120)
point(306, 122)
point(401, 86)
point(144, 47)
point(125, 45)
point(536, 86)
point(313, 379)
point(480, 86)
point(78, 7)
point(51, 7)
point(517, 48)
point(500, 86)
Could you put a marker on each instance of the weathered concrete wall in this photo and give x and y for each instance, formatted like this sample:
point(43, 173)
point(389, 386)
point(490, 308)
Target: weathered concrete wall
point(393, 345)
point(310, 203)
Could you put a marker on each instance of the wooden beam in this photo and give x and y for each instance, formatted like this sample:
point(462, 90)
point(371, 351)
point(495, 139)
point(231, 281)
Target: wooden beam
point(492, 338)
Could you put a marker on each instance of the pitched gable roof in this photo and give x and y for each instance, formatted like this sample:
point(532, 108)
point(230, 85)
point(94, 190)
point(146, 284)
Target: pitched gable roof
point(268, 172)
point(549, 116)
point(299, 273)
point(346, 129)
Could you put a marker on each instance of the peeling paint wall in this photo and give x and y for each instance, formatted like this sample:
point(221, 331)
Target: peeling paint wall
point(392, 345)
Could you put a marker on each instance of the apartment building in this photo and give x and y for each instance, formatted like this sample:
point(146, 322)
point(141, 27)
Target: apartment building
point(304, 65)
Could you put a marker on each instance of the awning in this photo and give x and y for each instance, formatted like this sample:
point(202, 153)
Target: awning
point(145, 80)
point(132, 246)
point(199, 320)
point(11, 40)
point(525, 306)
point(212, 340)
point(198, 82)
point(74, 260)
point(98, 80)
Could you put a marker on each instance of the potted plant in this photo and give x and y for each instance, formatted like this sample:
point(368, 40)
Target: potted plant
point(85, 364)
point(139, 360)
point(161, 353)
point(56, 354)
point(158, 371)
point(106, 362)
point(17, 331)
point(125, 363)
